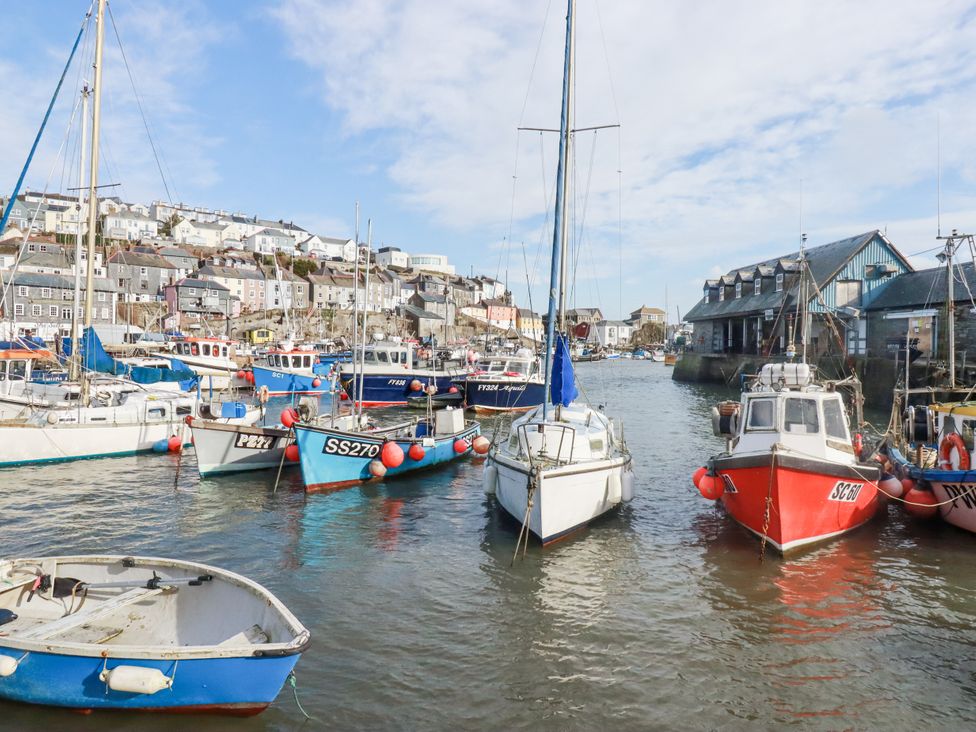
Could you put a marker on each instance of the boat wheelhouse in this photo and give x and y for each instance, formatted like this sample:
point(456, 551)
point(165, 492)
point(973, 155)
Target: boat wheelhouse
point(293, 371)
point(214, 359)
point(387, 375)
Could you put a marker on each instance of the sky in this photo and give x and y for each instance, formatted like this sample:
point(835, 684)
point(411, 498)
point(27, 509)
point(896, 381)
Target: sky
point(741, 125)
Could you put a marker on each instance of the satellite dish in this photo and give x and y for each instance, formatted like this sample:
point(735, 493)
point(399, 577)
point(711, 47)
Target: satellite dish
point(379, 335)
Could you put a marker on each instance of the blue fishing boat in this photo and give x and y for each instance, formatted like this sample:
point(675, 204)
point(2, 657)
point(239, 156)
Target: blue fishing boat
point(113, 632)
point(293, 372)
point(505, 383)
point(332, 458)
point(387, 376)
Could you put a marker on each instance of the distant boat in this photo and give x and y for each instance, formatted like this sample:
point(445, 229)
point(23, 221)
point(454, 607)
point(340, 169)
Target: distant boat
point(505, 383)
point(213, 359)
point(657, 356)
point(293, 371)
point(387, 375)
point(137, 633)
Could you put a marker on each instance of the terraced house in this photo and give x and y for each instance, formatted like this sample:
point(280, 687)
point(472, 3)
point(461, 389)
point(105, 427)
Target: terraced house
point(40, 304)
point(753, 309)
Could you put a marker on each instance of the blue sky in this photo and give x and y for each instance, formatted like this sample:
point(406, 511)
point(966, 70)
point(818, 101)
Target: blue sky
point(295, 109)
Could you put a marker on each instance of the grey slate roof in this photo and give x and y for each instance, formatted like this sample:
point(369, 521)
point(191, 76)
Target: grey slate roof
point(421, 313)
point(824, 262)
point(214, 270)
point(140, 259)
point(202, 284)
point(64, 282)
point(925, 288)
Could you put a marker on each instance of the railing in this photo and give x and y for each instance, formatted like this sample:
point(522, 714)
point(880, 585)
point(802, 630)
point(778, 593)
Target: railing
point(523, 432)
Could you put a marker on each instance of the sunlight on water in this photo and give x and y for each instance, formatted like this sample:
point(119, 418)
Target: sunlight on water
point(658, 616)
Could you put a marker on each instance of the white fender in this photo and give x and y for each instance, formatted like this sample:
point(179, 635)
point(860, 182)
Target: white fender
point(52, 418)
point(8, 665)
point(614, 488)
point(135, 679)
point(627, 490)
point(489, 480)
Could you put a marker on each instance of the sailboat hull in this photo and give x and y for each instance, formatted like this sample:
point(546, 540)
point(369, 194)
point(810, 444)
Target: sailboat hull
point(809, 500)
point(566, 498)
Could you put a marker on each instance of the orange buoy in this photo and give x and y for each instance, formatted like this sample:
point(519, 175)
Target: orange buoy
point(921, 504)
point(242, 374)
point(316, 382)
point(416, 452)
point(391, 455)
point(452, 390)
point(174, 443)
point(891, 486)
point(415, 385)
point(291, 453)
point(697, 475)
point(461, 446)
point(377, 469)
point(711, 487)
point(481, 444)
point(188, 419)
point(907, 484)
point(288, 417)
point(249, 377)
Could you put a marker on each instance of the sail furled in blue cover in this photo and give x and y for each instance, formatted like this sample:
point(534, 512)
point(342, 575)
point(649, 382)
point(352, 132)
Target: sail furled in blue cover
point(95, 358)
point(562, 389)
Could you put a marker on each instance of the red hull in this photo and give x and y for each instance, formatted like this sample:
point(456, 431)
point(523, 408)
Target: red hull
point(810, 500)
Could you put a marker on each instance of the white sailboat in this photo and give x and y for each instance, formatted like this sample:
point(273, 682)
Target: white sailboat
point(104, 422)
point(564, 463)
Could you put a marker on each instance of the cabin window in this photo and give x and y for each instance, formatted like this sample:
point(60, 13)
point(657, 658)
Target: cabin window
point(395, 357)
point(307, 361)
point(205, 348)
point(834, 421)
point(801, 416)
point(18, 370)
point(156, 413)
point(779, 282)
point(757, 286)
point(382, 357)
point(193, 349)
point(738, 290)
point(762, 414)
point(224, 349)
point(183, 411)
point(369, 357)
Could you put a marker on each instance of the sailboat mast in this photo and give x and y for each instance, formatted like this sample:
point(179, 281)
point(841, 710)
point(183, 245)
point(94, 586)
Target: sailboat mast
point(804, 315)
point(74, 366)
point(556, 289)
point(93, 173)
point(950, 312)
point(362, 362)
point(567, 165)
point(355, 313)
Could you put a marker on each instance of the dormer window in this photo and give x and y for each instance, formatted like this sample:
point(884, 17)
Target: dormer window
point(779, 282)
point(706, 295)
point(738, 290)
point(757, 286)
point(721, 293)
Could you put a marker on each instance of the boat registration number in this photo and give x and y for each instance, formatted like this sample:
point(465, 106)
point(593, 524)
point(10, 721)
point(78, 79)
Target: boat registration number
point(350, 448)
point(961, 491)
point(845, 491)
point(254, 442)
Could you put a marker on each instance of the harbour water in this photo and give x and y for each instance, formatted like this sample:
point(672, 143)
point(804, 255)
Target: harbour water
point(659, 616)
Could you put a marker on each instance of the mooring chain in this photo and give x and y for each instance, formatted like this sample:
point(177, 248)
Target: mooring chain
point(766, 510)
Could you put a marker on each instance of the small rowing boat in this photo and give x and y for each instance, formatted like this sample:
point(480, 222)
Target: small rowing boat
point(113, 632)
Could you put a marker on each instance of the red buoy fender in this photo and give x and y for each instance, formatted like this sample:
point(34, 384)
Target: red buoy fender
point(858, 445)
point(953, 440)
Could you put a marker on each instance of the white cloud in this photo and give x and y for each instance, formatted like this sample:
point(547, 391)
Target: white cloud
point(725, 107)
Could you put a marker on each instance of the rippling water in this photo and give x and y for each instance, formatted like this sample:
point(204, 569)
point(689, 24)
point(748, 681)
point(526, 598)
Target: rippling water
point(658, 616)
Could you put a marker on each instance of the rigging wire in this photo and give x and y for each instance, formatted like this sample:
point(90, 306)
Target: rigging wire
point(142, 112)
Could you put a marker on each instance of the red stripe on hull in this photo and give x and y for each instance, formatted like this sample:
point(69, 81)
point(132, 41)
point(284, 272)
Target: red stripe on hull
point(366, 405)
point(802, 511)
point(228, 710)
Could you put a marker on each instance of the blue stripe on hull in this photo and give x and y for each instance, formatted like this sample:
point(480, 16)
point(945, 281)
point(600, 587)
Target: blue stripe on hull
point(284, 382)
point(72, 458)
point(321, 469)
point(391, 388)
point(501, 395)
point(58, 680)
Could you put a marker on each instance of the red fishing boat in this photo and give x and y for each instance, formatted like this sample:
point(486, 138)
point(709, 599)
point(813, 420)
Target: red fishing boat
point(790, 473)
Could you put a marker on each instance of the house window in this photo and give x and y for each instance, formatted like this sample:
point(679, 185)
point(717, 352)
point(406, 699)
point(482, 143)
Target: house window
point(738, 290)
point(705, 291)
point(66, 294)
point(757, 286)
point(191, 291)
point(121, 282)
point(21, 291)
point(65, 313)
point(52, 311)
point(721, 293)
point(105, 314)
point(144, 271)
point(848, 293)
point(101, 297)
point(19, 308)
point(779, 282)
point(36, 311)
point(45, 293)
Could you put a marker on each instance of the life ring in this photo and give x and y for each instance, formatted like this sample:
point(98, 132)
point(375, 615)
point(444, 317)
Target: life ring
point(953, 440)
point(264, 394)
point(858, 445)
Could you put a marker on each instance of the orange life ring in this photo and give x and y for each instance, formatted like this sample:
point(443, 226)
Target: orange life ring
point(953, 440)
point(858, 445)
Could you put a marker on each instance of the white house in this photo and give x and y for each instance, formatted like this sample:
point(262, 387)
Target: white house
point(392, 257)
point(610, 333)
point(269, 241)
point(432, 263)
point(199, 233)
point(129, 225)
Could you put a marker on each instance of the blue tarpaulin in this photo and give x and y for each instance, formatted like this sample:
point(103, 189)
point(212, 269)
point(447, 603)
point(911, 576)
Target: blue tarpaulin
point(94, 358)
point(562, 389)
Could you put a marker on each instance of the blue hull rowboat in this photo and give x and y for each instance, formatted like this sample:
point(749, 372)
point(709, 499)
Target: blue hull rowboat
point(287, 382)
point(487, 394)
point(391, 389)
point(333, 458)
point(112, 632)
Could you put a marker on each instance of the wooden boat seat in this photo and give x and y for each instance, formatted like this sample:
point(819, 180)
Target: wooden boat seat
point(88, 616)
